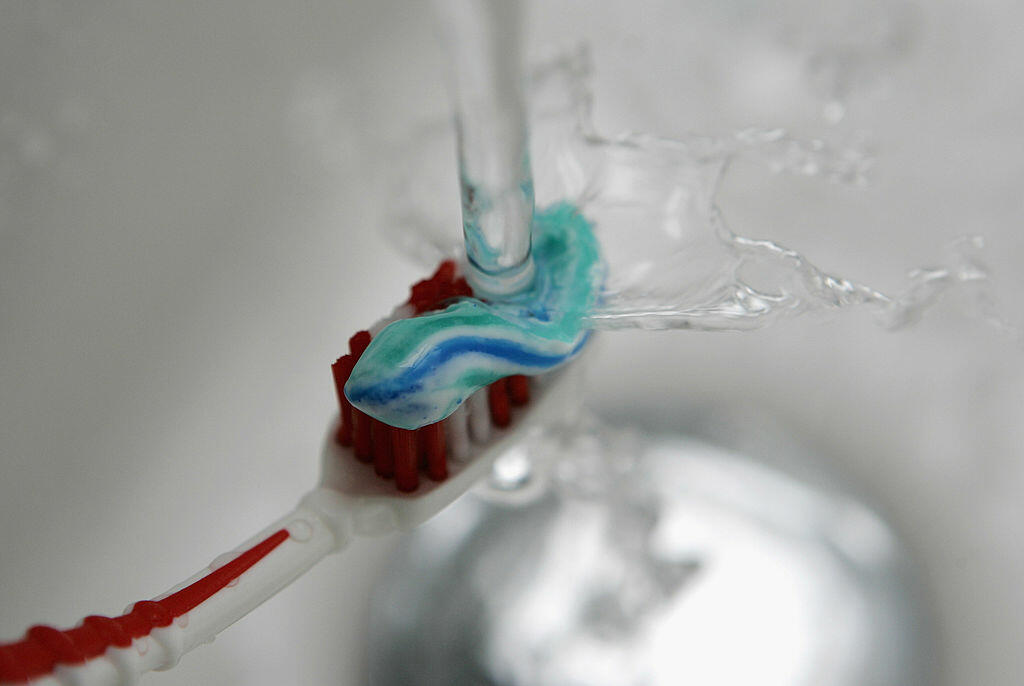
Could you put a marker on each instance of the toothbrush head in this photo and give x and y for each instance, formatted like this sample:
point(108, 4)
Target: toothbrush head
point(398, 478)
point(377, 507)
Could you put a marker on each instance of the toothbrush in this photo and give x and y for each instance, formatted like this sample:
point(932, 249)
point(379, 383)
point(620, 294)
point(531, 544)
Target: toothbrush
point(452, 451)
point(355, 497)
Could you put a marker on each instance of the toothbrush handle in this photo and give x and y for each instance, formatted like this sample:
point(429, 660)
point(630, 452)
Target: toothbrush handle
point(154, 634)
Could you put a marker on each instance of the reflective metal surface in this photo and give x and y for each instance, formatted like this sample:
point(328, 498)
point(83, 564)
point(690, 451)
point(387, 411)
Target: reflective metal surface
point(680, 563)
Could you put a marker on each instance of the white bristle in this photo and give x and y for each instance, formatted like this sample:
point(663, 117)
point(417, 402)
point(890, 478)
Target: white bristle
point(479, 416)
point(457, 435)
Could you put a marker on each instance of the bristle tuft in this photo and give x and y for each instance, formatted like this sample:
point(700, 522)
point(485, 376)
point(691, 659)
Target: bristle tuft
point(497, 397)
point(445, 272)
point(401, 454)
point(403, 443)
point(341, 370)
point(432, 442)
point(519, 389)
point(362, 442)
point(358, 344)
point(383, 459)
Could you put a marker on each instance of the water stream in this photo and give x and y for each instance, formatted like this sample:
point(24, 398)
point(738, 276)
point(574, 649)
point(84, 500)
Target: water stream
point(673, 261)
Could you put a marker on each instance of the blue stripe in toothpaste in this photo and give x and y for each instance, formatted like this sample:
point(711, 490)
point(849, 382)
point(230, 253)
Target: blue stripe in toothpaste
point(418, 371)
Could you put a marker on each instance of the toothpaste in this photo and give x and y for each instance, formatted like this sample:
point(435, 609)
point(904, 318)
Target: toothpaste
point(418, 371)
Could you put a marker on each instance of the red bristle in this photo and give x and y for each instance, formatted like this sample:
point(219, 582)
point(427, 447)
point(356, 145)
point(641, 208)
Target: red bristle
point(429, 294)
point(445, 272)
point(424, 296)
point(360, 422)
point(519, 389)
point(497, 396)
point(444, 293)
point(421, 291)
point(460, 287)
point(383, 461)
point(433, 447)
point(397, 452)
point(361, 439)
point(358, 343)
point(343, 434)
point(403, 443)
point(341, 370)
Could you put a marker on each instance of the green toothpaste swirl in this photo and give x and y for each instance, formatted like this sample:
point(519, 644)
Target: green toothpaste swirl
point(418, 371)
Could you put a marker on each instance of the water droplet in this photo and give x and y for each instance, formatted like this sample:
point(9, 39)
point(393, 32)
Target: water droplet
point(511, 471)
point(300, 530)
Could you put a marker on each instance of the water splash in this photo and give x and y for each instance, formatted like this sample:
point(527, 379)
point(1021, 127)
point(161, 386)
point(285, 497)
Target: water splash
point(673, 261)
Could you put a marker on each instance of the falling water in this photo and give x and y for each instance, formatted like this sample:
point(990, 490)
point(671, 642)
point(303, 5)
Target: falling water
point(495, 179)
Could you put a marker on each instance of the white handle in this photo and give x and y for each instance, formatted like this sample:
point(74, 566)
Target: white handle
point(153, 635)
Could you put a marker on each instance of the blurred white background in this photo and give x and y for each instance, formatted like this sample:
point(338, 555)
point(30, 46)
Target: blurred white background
point(190, 215)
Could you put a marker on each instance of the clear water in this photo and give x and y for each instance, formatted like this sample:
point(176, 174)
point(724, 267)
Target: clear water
point(673, 261)
point(483, 41)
